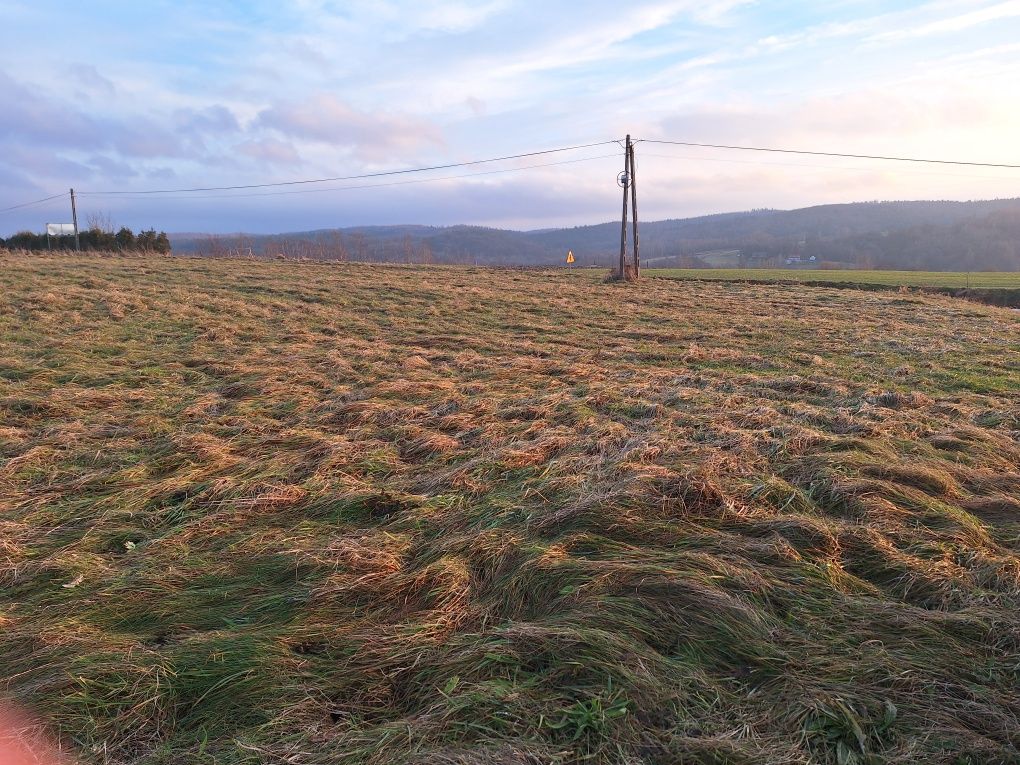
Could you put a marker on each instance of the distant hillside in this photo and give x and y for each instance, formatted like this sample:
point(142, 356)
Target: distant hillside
point(928, 235)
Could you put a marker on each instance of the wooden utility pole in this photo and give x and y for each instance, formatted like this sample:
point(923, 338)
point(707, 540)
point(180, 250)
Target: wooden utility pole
point(74, 218)
point(633, 208)
point(624, 181)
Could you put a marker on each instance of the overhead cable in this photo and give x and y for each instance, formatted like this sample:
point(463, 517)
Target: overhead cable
point(361, 176)
point(832, 154)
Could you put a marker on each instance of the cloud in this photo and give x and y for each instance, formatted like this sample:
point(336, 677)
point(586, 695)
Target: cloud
point(307, 52)
point(33, 120)
point(235, 93)
point(88, 79)
point(112, 168)
point(210, 119)
point(476, 105)
point(849, 119)
point(457, 16)
point(44, 121)
point(720, 12)
point(145, 139)
point(953, 24)
point(162, 174)
point(563, 43)
point(18, 185)
point(271, 151)
point(327, 119)
point(403, 19)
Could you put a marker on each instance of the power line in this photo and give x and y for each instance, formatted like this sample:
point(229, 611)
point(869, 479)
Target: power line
point(388, 173)
point(353, 177)
point(29, 204)
point(833, 154)
point(842, 168)
point(393, 183)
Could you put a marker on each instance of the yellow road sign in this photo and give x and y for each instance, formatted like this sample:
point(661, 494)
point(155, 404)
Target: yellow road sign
point(570, 256)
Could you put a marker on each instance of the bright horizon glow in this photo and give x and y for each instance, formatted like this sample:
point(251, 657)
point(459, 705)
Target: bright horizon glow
point(180, 94)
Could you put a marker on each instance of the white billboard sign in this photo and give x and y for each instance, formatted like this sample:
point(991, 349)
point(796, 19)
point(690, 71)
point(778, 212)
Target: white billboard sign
point(59, 229)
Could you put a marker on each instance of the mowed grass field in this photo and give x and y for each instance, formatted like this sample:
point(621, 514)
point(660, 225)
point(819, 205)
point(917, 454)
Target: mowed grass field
point(269, 512)
point(974, 280)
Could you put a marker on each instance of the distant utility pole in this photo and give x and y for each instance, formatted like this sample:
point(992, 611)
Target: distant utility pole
point(74, 219)
point(626, 181)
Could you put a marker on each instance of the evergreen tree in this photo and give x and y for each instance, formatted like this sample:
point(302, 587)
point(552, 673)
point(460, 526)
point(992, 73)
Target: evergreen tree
point(146, 240)
point(125, 239)
point(162, 243)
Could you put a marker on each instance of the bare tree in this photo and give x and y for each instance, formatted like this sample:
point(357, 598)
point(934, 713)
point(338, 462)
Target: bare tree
point(214, 246)
point(360, 246)
point(242, 247)
point(337, 248)
point(100, 221)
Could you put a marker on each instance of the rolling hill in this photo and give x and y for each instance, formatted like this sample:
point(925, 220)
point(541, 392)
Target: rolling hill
point(981, 235)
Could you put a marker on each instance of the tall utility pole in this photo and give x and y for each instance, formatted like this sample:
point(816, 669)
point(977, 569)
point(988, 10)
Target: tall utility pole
point(74, 218)
point(633, 208)
point(624, 180)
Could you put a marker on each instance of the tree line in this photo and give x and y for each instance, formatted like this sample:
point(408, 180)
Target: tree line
point(94, 238)
point(334, 245)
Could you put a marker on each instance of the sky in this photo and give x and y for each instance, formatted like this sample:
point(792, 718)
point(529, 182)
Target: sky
point(151, 95)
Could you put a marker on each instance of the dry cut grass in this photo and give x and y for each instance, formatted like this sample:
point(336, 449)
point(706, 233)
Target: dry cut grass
point(273, 512)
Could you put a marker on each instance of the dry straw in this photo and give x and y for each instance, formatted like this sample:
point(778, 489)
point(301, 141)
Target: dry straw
point(277, 512)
